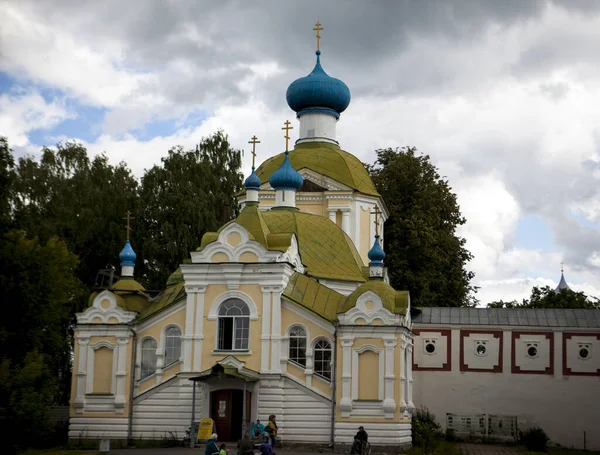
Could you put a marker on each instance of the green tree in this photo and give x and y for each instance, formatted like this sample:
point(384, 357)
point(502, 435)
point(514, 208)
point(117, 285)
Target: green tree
point(546, 297)
point(424, 254)
point(192, 192)
point(40, 289)
point(7, 163)
point(81, 201)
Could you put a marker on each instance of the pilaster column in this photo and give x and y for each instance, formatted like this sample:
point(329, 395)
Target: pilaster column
point(79, 403)
point(332, 215)
point(265, 336)
point(346, 401)
point(276, 329)
point(389, 404)
point(409, 399)
point(198, 335)
point(121, 374)
point(346, 221)
point(186, 339)
point(403, 374)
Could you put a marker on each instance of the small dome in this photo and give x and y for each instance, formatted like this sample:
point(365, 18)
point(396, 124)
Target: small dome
point(286, 177)
point(376, 253)
point(252, 182)
point(318, 89)
point(127, 256)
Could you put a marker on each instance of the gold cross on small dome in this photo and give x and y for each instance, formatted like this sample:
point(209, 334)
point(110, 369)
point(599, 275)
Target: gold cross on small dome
point(287, 129)
point(253, 141)
point(377, 212)
point(128, 218)
point(317, 29)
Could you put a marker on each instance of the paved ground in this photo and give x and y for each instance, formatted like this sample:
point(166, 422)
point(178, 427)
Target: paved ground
point(467, 449)
point(486, 449)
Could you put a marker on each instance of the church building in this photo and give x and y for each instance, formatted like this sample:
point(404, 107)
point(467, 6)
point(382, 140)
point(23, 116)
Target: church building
point(288, 310)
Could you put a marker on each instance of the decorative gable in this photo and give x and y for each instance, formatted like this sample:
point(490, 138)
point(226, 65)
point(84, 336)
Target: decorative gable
point(104, 310)
point(234, 244)
point(369, 309)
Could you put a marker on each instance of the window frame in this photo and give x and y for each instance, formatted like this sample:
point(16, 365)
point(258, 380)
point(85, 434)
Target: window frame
point(168, 361)
point(297, 338)
point(242, 319)
point(317, 362)
point(142, 358)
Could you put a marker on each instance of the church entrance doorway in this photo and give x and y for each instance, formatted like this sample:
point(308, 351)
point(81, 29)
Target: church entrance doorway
point(227, 413)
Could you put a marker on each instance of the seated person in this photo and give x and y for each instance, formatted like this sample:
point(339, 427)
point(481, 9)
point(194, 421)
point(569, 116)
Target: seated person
point(258, 429)
point(266, 448)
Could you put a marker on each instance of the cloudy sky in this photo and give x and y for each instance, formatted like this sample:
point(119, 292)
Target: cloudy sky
point(503, 95)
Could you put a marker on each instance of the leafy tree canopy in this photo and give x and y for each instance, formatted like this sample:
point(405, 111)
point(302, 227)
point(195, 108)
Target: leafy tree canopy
point(546, 297)
point(424, 254)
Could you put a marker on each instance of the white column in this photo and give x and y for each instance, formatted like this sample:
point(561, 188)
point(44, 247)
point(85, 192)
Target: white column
point(186, 339)
point(346, 401)
point(198, 335)
point(265, 336)
point(276, 329)
point(409, 399)
point(308, 371)
point(317, 127)
point(81, 374)
point(389, 404)
point(403, 378)
point(346, 221)
point(121, 374)
point(332, 215)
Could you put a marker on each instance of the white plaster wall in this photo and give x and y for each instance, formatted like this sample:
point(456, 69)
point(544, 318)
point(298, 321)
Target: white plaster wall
point(438, 358)
point(564, 407)
point(316, 128)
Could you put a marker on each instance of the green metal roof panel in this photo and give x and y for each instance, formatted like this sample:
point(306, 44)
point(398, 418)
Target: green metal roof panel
point(325, 159)
point(395, 301)
point(312, 295)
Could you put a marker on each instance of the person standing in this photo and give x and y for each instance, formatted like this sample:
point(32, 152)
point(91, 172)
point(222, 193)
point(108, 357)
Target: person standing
point(271, 430)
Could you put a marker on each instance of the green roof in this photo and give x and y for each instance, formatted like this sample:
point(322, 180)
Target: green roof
point(314, 296)
point(395, 301)
point(325, 249)
point(165, 299)
point(325, 159)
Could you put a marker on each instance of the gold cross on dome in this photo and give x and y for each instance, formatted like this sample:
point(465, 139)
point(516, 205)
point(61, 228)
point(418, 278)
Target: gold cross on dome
point(377, 212)
point(128, 218)
point(317, 29)
point(287, 129)
point(253, 141)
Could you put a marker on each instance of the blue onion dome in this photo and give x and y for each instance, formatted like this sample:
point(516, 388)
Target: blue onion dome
point(318, 90)
point(376, 254)
point(252, 182)
point(127, 256)
point(286, 177)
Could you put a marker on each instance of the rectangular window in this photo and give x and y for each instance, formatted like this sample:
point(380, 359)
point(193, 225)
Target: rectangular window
point(234, 333)
point(242, 331)
point(225, 333)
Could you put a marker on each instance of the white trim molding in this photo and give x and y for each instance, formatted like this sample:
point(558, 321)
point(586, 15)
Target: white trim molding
point(105, 308)
point(213, 312)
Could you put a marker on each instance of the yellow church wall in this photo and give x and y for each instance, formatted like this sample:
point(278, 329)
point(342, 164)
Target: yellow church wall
point(155, 330)
point(296, 371)
point(103, 366)
point(234, 239)
point(398, 365)
point(209, 356)
point(146, 384)
point(289, 318)
point(368, 381)
point(126, 394)
point(248, 257)
point(219, 257)
point(365, 238)
point(316, 208)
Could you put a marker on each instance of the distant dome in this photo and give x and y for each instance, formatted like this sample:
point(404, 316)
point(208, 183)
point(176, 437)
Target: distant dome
point(286, 177)
point(376, 253)
point(318, 90)
point(252, 182)
point(127, 255)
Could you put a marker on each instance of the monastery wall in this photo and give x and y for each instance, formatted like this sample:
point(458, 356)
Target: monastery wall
point(546, 377)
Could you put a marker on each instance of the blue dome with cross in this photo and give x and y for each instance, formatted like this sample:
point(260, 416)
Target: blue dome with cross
point(376, 253)
point(252, 182)
point(319, 91)
point(127, 255)
point(286, 177)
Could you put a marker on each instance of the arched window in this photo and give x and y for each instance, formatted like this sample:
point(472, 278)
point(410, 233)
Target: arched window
point(148, 358)
point(323, 359)
point(298, 345)
point(172, 345)
point(234, 325)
